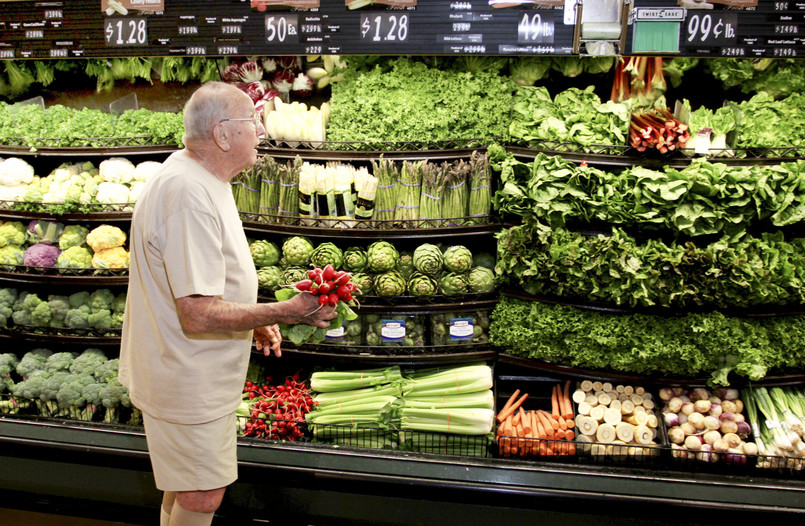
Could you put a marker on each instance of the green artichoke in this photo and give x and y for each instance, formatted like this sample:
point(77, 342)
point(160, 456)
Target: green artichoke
point(327, 253)
point(355, 259)
point(269, 278)
point(296, 251)
point(453, 283)
point(484, 259)
point(389, 283)
point(428, 259)
point(422, 285)
point(264, 253)
point(364, 282)
point(382, 257)
point(481, 280)
point(458, 259)
point(405, 264)
point(293, 275)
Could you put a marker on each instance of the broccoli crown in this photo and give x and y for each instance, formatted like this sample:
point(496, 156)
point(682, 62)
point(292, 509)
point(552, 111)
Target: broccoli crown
point(119, 303)
point(30, 388)
point(77, 318)
point(112, 393)
point(5, 314)
point(59, 361)
point(107, 371)
point(92, 393)
point(70, 392)
point(33, 361)
point(30, 302)
point(41, 315)
point(8, 296)
point(21, 317)
point(100, 319)
point(88, 362)
point(8, 363)
point(101, 299)
point(78, 299)
point(52, 385)
point(59, 305)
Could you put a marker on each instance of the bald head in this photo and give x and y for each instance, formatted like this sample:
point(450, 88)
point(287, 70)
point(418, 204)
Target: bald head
point(208, 105)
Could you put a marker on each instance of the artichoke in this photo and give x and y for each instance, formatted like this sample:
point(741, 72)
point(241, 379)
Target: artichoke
point(264, 253)
point(481, 280)
point(458, 259)
point(453, 283)
point(389, 283)
point(405, 265)
point(428, 259)
point(269, 278)
point(364, 282)
point(422, 285)
point(293, 275)
point(484, 259)
point(296, 251)
point(355, 259)
point(327, 253)
point(382, 257)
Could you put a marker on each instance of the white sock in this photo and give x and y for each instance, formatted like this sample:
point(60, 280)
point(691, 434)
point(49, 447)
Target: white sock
point(182, 517)
point(168, 498)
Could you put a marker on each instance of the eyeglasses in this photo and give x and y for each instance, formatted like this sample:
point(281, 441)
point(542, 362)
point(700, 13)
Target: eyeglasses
point(258, 124)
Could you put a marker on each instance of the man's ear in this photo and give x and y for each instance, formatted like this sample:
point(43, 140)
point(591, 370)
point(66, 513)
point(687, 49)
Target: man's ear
point(221, 138)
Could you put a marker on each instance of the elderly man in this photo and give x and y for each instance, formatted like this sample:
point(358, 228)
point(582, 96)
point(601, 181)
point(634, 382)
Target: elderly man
point(192, 307)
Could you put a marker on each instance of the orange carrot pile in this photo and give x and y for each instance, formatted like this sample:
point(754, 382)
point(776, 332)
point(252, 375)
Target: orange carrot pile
point(537, 432)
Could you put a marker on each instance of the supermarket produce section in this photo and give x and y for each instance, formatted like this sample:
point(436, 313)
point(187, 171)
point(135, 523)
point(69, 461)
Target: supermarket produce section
point(581, 300)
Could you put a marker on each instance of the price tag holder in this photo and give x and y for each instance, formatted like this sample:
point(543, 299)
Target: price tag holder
point(125, 32)
point(386, 28)
point(656, 30)
point(710, 29)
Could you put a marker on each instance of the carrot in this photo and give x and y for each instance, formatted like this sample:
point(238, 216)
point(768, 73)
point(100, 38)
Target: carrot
point(554, 402)
point(524, 420)
point(541, 435)
point(569, 434)
point(510, 401)
point(562, 423)
point(559, 434)
point(546, 424)
point(571, 448)
point(547, 415)
point(570, 423)
point(568, 409)
point(512, 408)
point(507, 431)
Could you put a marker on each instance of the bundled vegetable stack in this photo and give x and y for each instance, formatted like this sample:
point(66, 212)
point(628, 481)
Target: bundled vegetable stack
point(777, 418)
point(615, 420)
point(275, 411)
point(707, 426)
point(81, 386)
point(99, 311)
point(537, 432)
point(657, 129)
point(447, 411)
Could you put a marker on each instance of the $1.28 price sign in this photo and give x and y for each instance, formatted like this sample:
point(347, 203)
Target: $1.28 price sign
point(710, 29)
point(120, 32)
point(384, 27)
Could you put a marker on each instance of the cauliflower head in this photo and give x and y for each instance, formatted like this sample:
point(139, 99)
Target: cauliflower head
point(105, 236)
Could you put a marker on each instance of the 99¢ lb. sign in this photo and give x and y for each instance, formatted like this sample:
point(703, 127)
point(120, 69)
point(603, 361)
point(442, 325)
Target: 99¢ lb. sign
point(710, 29)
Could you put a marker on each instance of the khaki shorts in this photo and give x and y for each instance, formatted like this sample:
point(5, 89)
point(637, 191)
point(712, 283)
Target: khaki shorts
point(192, 457)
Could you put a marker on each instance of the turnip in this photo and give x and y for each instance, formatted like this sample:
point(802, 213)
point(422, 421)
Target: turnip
point(711, 422)
point(749, 448)
point(705, 453)
point(688, 428)
point(721, 445)
point(739, 405)
point(711, 436)
point(693, 442)
point(716, 409)
point(666, 394)
point(728, 406)
point(699, 393)
point(697, 420)
point(671, 420)
point(743, 429)
point(676, 435)
point(702, 406)
point(687, 408)
point(727, 416)
point(729, 426)
point(732, 439)
point(675, 404)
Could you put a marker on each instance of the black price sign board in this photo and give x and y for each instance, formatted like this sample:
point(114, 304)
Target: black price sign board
point(108, 28)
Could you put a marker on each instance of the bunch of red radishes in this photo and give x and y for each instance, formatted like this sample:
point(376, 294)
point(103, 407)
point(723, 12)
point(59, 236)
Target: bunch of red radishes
point(276, 411)
point(330, 285)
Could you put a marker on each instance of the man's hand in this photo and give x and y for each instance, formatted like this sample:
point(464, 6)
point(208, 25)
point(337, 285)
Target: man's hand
point(305, 308)
point(268, 339)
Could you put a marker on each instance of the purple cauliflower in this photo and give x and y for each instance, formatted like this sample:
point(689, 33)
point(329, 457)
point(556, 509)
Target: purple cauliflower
point(41, 255)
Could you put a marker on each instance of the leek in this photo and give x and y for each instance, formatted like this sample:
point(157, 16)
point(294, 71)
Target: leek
point(459, 421)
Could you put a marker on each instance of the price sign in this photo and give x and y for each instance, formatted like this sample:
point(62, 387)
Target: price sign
point(533, 28)
point(711, 29)
point(122, 32)
point(282, 28)
point(384, 27)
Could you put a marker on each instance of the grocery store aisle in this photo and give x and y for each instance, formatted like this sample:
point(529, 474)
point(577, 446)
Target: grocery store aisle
point(9, 517)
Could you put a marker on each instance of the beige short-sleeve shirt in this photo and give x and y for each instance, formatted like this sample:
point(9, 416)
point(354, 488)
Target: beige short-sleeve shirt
point(186, 238)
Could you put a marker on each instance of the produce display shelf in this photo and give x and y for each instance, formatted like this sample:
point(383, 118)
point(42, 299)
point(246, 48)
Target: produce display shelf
point(756, 311)
point(414, 304)
point(375, 486)
point(106, 147)
point(83, 277)
point(357, 151)
point(377, 356)
point(653, 381)
point(12, 210)
point(54, 336)
point(389, 232)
